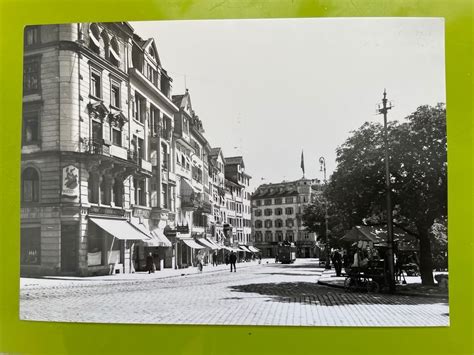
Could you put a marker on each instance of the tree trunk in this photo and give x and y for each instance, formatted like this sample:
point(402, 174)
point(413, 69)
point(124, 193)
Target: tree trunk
point(426, 260)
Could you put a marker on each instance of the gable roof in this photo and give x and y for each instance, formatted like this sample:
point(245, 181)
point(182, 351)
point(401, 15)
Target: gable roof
point(183, 101)
point(145, 45)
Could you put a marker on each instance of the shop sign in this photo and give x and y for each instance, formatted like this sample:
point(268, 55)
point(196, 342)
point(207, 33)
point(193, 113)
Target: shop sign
point(107, 211)
point(70, 181)
point(139, 212)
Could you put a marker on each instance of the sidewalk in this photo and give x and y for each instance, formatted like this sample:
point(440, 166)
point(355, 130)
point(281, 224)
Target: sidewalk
point(413, 287)
point(54, 281)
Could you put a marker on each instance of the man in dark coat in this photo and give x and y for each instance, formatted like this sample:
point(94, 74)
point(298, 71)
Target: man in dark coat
point(232, 260)
point(150, 263)
point(337, 262)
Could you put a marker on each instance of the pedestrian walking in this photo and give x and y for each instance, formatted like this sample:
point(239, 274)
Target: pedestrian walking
point(150, 265)
point(214, 259)
point(200, 261)
point(337, 262)
point(232, 260)
point(226, 259)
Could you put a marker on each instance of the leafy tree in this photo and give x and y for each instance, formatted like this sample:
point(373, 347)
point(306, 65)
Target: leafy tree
point(418, 169)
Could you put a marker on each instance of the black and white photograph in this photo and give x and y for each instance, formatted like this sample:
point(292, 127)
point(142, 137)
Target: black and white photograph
point(276, 172)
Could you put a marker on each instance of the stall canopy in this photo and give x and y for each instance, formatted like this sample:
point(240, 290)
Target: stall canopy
point(378, 235)
point(120, 229)
point(244, 248)
point(253, 249)
point(206, 243)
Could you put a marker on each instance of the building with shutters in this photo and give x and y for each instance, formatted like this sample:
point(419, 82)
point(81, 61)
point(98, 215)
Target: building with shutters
point(276, 216)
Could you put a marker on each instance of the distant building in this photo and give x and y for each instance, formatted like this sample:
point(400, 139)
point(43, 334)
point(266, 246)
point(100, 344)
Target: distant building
point(276, 216)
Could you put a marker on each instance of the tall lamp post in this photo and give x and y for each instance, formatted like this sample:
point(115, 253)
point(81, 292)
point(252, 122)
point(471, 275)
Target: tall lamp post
point(391, 267)
point(322, 164)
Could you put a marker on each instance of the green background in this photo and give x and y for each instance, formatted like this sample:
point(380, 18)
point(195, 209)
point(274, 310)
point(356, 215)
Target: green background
point(39, 337)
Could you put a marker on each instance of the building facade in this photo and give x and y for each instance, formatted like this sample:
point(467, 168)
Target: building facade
point(276, 217)
point(114, 167)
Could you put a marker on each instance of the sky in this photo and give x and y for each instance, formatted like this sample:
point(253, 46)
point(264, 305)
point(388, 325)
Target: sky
point(270, 89)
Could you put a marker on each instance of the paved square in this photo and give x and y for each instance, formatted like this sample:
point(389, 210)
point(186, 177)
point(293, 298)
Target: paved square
point(266, 294)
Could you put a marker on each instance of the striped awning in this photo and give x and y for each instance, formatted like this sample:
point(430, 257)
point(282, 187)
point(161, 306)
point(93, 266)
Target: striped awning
point(158, 239)
point(206, 243)
point(253, 249)
point(244, 248)
point(214, 243)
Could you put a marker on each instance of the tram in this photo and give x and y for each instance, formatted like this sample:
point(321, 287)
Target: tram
point(286, 253)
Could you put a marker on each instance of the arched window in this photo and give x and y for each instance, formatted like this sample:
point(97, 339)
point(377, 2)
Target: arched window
point(268, 223)
point(278, 223)
point(94, 37)
point(279, 235)
point(258, 223)
point(114, 52)
point(268, 212)
point(30, 185)
point(278, 211)
point(289, 236)
point(258, 213)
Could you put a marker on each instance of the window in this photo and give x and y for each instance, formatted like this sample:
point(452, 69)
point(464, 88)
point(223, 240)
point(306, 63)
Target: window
point(268, 202)
point(278, 201)
point(140, 108)
point(115, 95)
point(258, 236)
point(154, 120)
point(31, 75)
point(289, 236)
point(164, 196)
point(268, 212)
point(289, 210)
point(289, 200)
point(32, 35)
point(141, 148)
point(289, 222)
point(259, 202)
point(93, 188)
point(185, 125)
point(258, 223)
point(278, 223)
point(97, 132)
point(117, 191)
point(30, 246)
point(96, 85)
point(268, 223)
point(30, 185)
point(139, 186)
point(278, 211)
point(258, 213)
point(268, 236)
point(279, 235)
point(30, 128)
point(116, 136)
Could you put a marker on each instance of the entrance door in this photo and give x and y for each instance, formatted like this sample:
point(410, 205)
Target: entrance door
point(69, 233)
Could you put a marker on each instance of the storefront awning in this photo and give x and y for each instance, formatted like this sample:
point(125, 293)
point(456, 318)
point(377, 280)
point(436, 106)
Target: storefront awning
point(253, 249)
point(206, 243)
point(120, 229)
point(214, 243)
point(244, 248)
point(158, 239)
point(191, 243)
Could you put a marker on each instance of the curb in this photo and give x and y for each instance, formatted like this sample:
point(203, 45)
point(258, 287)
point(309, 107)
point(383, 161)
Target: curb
point(411, 294)
point(112, 281)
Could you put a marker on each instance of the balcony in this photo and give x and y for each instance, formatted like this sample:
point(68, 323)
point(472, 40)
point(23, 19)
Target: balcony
point(118, 152)
point(145, 165)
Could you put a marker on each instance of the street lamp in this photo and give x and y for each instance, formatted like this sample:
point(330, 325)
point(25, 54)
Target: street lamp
point(391, 269)
point(322, 164)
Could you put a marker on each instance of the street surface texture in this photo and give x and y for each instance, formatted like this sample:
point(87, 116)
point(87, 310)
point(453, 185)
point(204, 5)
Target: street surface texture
point(265, 294)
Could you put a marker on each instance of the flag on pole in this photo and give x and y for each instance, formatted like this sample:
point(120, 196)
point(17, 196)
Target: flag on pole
point(302, 161)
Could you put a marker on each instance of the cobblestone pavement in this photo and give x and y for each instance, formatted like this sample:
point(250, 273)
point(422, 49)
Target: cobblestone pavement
point(267, 294)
